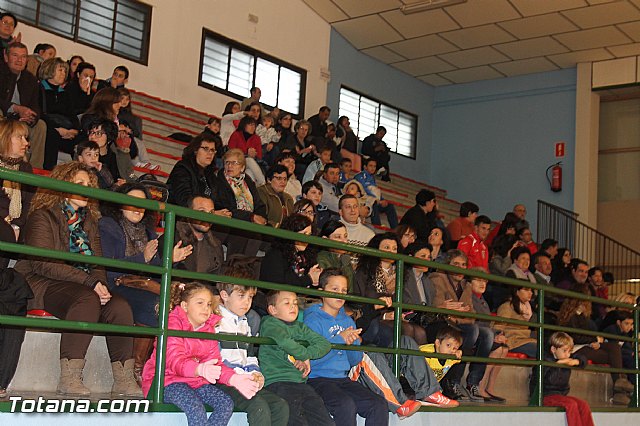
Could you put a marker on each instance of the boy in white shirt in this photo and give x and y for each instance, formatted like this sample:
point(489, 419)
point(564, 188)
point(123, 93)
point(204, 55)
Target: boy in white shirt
point(265, 408)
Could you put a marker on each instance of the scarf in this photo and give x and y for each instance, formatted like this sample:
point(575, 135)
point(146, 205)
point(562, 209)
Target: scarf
point(78, 238)
point(525, 309)
point(300, 264)
point(12, 189)
point(244, 199)
point(385, 282)
point(135, 237)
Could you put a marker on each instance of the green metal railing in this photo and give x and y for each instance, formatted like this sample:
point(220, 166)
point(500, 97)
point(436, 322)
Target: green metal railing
point(167, 273)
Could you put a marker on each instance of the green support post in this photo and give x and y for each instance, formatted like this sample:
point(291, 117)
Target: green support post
point(397, 316)
point(163, 307)
point(635, 397)
point(538, 396)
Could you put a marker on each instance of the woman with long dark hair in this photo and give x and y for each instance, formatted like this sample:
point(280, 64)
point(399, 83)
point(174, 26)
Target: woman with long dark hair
point(376, 278)
point(128, 233)
point(519, 337)
point(561, 266)
point(291, 262)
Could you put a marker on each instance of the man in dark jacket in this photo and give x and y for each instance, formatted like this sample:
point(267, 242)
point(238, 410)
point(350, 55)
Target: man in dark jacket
point(19, 93)
point(319, 122)
point(416, 216)
point(374, 147)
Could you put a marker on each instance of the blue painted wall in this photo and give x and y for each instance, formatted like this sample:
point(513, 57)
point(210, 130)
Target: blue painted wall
point(487, 141)
point(493, 140)
point(369, 76)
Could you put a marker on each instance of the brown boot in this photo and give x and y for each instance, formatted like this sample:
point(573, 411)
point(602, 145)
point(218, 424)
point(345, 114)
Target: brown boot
point(141, 350)
point(124, 384)
point(70, 382)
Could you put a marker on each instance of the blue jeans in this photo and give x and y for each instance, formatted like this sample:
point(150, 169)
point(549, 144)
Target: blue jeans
point(345, 399)
point(476, 340)
point(192, 401)
point(143, 304)
point(390, 211)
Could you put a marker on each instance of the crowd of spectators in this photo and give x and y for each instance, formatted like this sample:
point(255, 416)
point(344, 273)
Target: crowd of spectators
point(253, 164)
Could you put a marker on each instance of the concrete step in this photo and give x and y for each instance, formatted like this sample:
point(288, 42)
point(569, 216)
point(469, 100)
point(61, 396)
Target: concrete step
point(39, 364)
point(596, 388)
point(169, 119)
point(161, 103)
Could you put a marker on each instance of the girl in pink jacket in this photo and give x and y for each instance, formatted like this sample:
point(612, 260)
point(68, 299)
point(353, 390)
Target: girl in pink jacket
point(193, 365)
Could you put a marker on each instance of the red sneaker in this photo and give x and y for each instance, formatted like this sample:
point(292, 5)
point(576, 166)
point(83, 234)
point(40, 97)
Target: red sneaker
point(437, 399)
point(409, 408)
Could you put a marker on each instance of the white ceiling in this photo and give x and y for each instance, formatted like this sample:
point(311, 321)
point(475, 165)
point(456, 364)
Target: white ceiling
point(485, 39)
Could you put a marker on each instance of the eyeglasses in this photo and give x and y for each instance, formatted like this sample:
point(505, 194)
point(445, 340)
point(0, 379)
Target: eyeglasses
point(279, 178)
point(208, 150)
point(232, 163)
point(306, 212)
point(9, 23)
point(97, 133)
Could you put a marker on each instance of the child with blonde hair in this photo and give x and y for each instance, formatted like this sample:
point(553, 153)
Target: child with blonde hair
point(556, 380)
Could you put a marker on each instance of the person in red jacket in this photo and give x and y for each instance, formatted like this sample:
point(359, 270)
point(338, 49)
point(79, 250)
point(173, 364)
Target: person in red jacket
point(195, 365)
point(473, 246)
point(246, 140)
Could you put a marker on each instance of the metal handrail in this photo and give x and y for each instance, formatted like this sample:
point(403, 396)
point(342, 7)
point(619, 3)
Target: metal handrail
point(166, 271)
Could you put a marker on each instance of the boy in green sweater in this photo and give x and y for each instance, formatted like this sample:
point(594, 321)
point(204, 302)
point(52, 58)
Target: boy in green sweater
point(285, 365)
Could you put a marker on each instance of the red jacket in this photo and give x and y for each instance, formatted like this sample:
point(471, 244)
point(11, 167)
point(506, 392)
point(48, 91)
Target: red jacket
point(184, 354)
point(237, 140)
point(475, 250)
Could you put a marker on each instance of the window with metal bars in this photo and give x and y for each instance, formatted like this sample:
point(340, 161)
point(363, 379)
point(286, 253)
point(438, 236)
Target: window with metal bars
point(120, 27)
point(229, 67)
point(367, 114)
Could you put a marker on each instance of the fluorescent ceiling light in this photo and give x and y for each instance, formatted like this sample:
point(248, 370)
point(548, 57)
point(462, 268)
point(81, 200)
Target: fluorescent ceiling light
point(408, 9)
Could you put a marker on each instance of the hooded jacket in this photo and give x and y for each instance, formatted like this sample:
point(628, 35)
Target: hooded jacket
point(337, 363)
point(184, 354)
point(364, 200)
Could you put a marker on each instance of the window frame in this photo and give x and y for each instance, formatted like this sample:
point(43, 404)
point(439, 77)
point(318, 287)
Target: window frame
point(233, 44)
point(146, 31)
point(414, 141)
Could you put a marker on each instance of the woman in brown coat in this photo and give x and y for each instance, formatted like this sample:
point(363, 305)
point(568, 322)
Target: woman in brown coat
point(73, 291)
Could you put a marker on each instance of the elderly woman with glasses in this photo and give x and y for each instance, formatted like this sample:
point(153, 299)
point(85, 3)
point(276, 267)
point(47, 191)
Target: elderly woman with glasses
point(279, 203)
point(195, 174)
point(236, 192)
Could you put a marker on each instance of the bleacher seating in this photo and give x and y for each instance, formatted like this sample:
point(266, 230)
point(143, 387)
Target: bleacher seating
point(162, 117)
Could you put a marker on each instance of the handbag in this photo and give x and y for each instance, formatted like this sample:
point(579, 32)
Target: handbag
point(139, 282)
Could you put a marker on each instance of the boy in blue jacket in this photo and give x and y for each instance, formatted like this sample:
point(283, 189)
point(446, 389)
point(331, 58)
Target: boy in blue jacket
point(342, 397)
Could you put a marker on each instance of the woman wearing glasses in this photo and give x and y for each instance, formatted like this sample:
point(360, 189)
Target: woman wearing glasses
point(279, 203)
point(195, 174)
point(236, 192)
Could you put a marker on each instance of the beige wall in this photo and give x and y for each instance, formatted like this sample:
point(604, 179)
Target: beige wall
point(619, 220)
point(286, 29)
point(585, 196)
